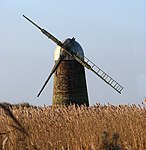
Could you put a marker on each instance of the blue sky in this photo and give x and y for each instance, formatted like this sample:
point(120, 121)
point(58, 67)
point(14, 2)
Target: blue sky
point(111, 32)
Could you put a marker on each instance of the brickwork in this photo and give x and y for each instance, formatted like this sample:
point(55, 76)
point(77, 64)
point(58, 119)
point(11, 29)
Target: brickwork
point(70, 84)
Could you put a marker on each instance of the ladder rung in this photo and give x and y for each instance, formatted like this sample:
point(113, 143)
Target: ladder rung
point(93, 65)
point(98, 71)
point(121, 88)
point(103, 74)
point(112, 81)
point(107, 78)
point(115, 85)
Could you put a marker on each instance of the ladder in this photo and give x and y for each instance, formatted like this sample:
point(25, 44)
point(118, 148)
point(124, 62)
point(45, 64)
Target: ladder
point(98, 71)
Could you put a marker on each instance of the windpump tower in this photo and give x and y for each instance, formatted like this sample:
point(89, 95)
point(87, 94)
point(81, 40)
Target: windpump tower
point(69, 78)
point(69, 74)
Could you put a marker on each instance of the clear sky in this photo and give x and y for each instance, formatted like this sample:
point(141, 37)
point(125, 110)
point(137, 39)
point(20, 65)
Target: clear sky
point(111, 32)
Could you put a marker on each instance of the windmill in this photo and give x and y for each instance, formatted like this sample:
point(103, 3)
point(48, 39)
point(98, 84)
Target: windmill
point(69, 74)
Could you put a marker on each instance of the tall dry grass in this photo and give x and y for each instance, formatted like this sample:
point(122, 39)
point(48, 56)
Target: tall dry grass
point(24, 127)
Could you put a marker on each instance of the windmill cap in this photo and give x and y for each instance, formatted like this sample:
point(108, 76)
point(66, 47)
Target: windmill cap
point(72, 45)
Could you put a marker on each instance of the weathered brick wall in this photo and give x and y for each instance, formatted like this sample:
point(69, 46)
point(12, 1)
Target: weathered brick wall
point(70, 84)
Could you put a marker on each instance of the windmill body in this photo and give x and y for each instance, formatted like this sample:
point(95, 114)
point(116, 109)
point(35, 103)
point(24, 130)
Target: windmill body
point(69, 78)
point(69, 74)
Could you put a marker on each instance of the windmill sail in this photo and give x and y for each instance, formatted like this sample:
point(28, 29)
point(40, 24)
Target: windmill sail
point(105, 77)
point(84, 61)
point(53, 70)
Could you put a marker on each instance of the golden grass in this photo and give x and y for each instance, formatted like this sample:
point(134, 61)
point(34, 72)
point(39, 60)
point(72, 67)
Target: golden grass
point(24, 127)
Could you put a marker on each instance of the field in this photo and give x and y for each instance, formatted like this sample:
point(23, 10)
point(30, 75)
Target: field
point(25, 127)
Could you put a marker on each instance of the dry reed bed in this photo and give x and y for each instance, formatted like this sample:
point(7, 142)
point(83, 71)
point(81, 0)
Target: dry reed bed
point(73, 128)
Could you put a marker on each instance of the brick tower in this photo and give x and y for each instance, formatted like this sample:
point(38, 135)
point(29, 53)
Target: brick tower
point(69, 78)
